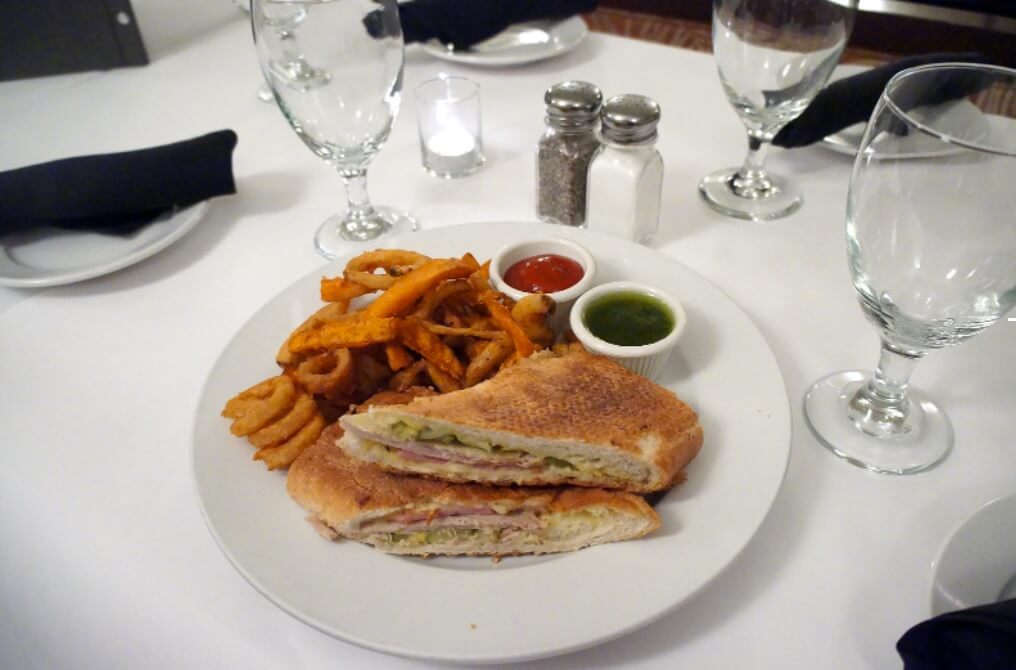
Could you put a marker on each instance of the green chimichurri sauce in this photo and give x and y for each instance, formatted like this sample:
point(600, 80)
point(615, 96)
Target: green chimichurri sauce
point(628, 319)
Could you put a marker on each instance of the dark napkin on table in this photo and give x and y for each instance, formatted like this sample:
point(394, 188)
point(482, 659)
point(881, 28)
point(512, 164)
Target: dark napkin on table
point(463, 23)
point(117, 193)
point(977, 638)
point(852, 99)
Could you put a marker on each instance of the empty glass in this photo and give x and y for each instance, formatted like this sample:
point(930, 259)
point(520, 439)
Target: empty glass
point(339, 86)
point(931, 246)
point(773, 57)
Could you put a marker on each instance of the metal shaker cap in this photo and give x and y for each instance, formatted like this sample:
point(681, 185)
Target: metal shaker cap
point(573, 102)
point(630, 119)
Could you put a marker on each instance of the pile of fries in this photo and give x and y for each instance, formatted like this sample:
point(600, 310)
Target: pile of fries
point(434, 322)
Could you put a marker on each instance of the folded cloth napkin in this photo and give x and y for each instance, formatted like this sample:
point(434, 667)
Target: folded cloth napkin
point(977, 638)
point(117, 193)
point(852, 99)
point(463, 23)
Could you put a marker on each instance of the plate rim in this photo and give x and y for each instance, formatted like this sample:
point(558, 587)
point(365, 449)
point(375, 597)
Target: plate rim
point(437, 50)
point(189, 217)
point(783, 429)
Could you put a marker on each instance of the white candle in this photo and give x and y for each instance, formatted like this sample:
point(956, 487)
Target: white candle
point(451, 141)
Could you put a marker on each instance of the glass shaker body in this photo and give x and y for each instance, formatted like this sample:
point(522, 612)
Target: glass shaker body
point(625, 184)
point(562, 164)
point(564, 151)
point(625, 179)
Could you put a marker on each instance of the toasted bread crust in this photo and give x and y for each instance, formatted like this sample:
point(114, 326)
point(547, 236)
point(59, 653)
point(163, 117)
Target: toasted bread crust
point(336, 488)
point(578, 397)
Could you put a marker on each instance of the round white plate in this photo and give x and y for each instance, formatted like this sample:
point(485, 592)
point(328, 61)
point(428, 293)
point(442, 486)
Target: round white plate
point(54, 256)
point(470, 609)
point(977, 563)
point(518, 44)
point(962, 116)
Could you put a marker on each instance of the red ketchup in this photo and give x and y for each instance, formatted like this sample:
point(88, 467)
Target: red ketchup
point(546, 273)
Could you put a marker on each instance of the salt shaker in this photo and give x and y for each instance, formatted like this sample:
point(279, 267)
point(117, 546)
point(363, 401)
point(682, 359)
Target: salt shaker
point(626, 173)
point(564, 151)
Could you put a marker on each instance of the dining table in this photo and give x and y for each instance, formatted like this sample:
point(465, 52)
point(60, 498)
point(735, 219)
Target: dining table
point(106, 560)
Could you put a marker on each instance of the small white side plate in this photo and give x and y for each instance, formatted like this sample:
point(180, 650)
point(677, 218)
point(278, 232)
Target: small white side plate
point(54, 256)
point(518, 44)
point(977, 563)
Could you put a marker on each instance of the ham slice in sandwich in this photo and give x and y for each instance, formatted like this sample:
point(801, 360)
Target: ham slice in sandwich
point(577, 419)
point(401, 514)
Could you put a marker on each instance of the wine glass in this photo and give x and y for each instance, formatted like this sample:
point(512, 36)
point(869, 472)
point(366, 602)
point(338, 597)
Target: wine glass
point(773, 57)
point(931, 246)
point(339, 86)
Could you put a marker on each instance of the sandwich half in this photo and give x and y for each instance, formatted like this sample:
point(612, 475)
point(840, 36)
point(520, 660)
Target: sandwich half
point(577, 419)
point(401, 514)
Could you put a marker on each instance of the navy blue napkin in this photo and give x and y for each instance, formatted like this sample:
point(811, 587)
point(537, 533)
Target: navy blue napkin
point(463, 23)
point(117, 193)
point(852, 99)
point(977, 638)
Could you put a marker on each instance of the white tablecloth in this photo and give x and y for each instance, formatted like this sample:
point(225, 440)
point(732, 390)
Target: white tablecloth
point(105, 560)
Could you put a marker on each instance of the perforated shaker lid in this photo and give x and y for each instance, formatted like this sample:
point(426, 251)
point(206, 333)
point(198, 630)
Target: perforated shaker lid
point(630, 119)
point(573, 102)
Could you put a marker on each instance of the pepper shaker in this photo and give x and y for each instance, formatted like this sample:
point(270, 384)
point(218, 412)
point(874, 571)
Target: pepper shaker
point(626, 174)
point(564, 151)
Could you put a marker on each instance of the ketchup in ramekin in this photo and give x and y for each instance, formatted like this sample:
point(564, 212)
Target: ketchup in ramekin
point(544, 273)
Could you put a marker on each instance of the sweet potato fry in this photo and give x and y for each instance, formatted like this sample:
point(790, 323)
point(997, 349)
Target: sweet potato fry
point(408, 289)
point(351, 333)
point(407, 377)
point(334, 289)
point(503, 318)
point(398, 356)
point(433, 299)
point(481, 333)
point(445, 383)
point(496, 351)
point(334, 311)
point(414, 335)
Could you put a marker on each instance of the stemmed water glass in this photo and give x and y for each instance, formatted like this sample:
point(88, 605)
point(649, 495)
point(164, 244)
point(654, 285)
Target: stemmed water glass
point(773, 57)
point(931, 246)
point(342, 98)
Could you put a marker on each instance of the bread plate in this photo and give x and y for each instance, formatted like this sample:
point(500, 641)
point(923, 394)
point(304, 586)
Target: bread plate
point(516, 45)
point(473, 610)
point(55, 256)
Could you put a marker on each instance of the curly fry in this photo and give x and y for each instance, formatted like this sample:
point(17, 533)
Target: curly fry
point(282, 455)
point(287, 426)
point(395, 263)
point(327, 372)
point(254, 408)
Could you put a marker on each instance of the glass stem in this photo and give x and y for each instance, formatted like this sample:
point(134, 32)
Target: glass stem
point(361, 220)
point(882, 407)
point(752, 180)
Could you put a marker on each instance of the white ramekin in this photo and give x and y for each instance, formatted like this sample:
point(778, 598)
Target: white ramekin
point(647, 360)
point(512, 253)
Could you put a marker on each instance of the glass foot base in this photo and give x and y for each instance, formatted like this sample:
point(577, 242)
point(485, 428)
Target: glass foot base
point(718, 192)
point(825, 409)
point(339, 235)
